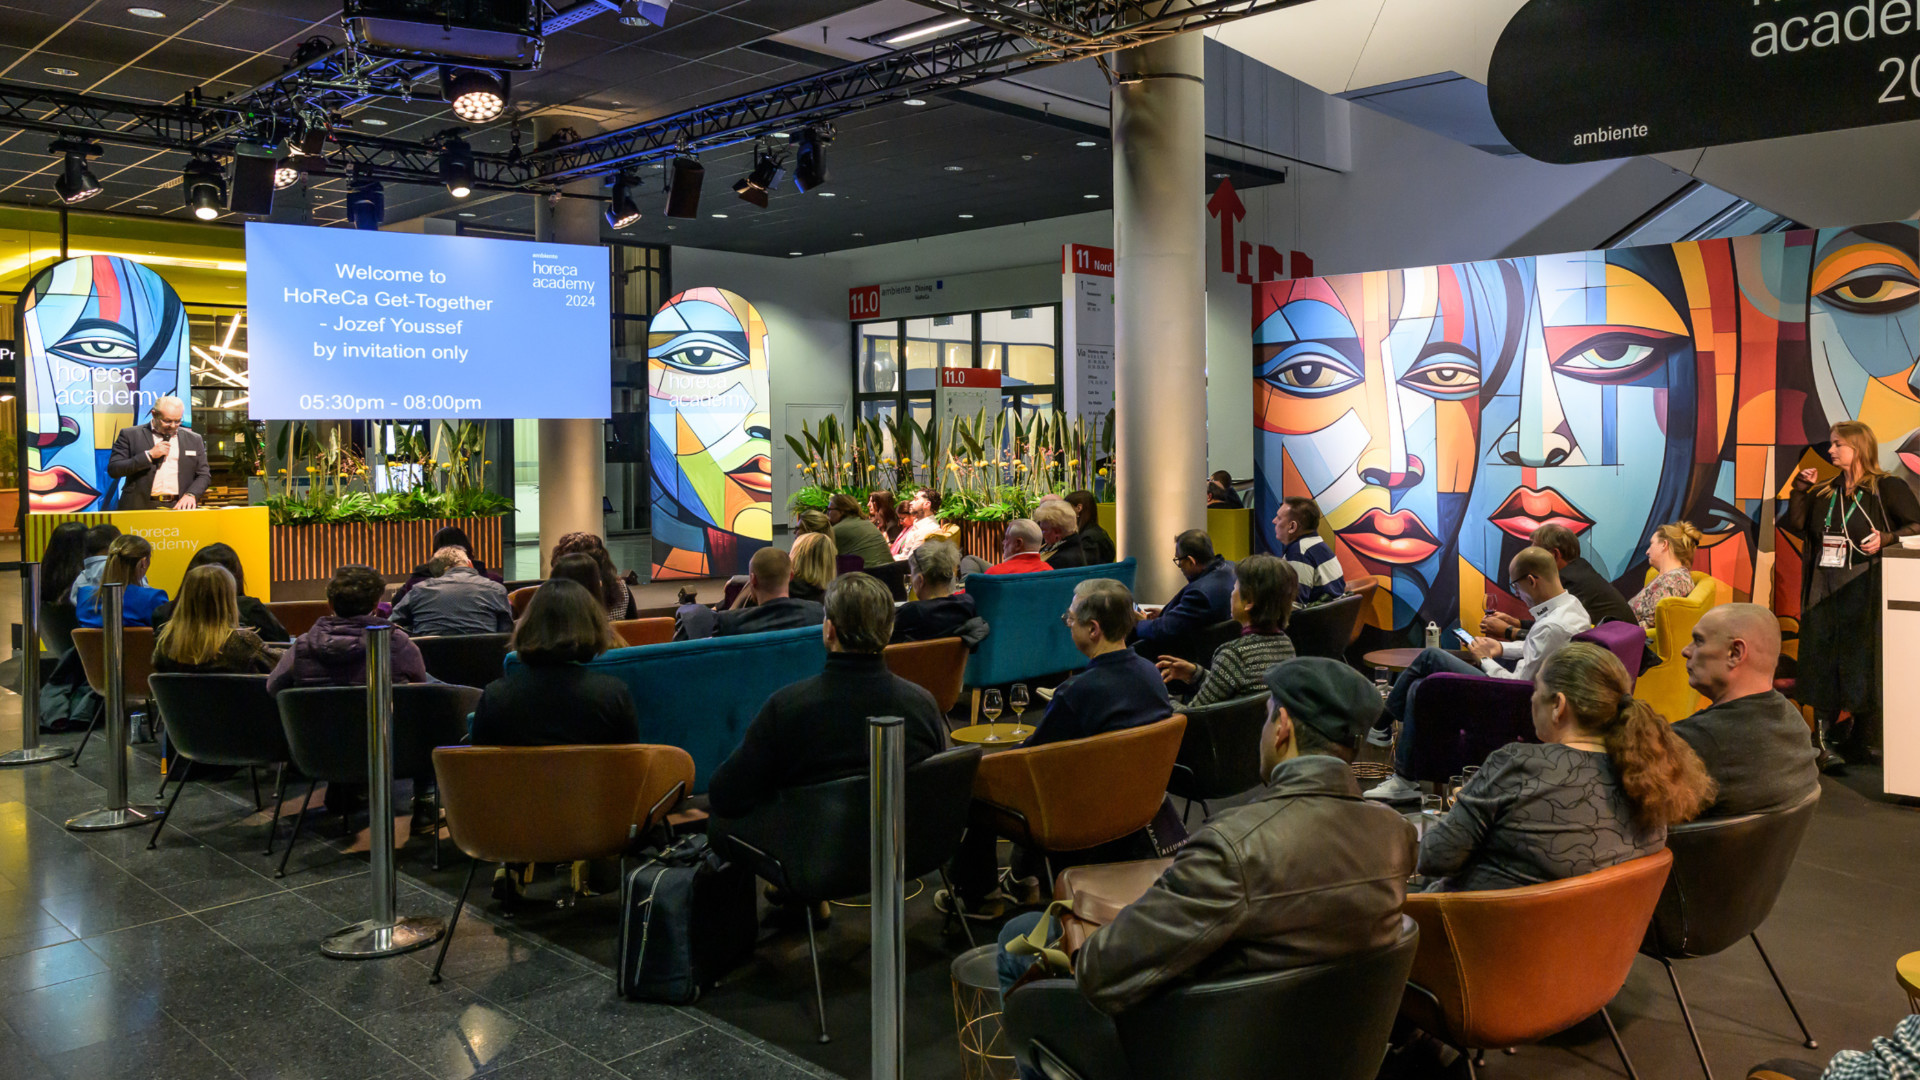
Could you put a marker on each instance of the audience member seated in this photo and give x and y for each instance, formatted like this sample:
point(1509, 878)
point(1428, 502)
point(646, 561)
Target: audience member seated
point(814, 558)
point(1601, 601)
point(1602, 785)
point(1670, 553)
point(811, 521)
point(1305, 874)
point(1204, 600)
point(853, 534)
point(939, 612)
point(1094, 541)
point(549, 698)
point(446, 536)
point(99, 539)
point(1020, 549)
point(1296, 525)
point(1263, 592)
point(1752, 739)
point(65, 696)
point(458, 601)
point(583, 570)
point(692, 619)
point(254, 615)
point(334, 651)
point(1059, 541)
point(1557, 616)
point(204, 636)
point(763, 604)
point(127, 560)
point(921, 520)
point(1220, 493)
point(882, 515)
point(615, 595)
point(816, 730)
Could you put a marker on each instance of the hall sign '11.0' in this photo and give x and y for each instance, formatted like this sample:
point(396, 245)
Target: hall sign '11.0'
point(1587, 80)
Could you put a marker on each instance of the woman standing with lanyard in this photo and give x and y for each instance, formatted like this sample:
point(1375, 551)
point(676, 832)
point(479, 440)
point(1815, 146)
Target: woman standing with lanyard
point(1843, 523)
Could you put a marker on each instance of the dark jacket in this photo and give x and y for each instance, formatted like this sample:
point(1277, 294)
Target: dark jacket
point(460, 601)
point(1595, 593)
point(1308, 873)
point(129, 461)
point(694, 621)
point(555, 705)
point(1067, 554)
point(424, 572)
point(816, 730)
point(785, 613)
point(254, 615)
point(1200, 603)
point(1120, 689)
point(334, 653)
point(941, 617)
point(858, 536)
point(241, 654)
point(1096, 544)
point(1756, 748)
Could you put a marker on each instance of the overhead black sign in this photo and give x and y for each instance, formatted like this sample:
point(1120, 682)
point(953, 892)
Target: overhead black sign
point(1587, 80)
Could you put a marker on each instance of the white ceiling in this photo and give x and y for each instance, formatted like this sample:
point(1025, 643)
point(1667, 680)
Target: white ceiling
point(1338, 46)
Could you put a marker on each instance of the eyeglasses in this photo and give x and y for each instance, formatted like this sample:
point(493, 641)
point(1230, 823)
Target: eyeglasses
point(1067, 618)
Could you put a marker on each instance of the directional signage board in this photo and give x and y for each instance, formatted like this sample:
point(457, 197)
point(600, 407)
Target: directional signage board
point(1589, 80)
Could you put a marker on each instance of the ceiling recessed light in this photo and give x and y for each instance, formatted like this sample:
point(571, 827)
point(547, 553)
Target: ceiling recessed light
point(966, 215)
point(1086, 142)
point(782, 135)
point(616, 102)
point(146, 206)
point(953, 168)
point(65, 73)
point(827, 195)
point(146, 13)
point(914, 101)
point(626, 234)
point(719, 215)
point(1089, 196)
point(793, 253)
point(370, 121)
point(1219, 176)
point(468, 213)
point(859, 234)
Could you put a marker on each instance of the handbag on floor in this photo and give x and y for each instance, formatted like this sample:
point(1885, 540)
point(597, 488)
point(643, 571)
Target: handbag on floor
point(687, 917)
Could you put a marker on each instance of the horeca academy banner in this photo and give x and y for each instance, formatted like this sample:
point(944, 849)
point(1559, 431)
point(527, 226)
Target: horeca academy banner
point(1440, 414)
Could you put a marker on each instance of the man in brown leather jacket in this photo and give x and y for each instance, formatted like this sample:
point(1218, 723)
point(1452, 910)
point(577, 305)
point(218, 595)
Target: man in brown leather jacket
point(1307, 873)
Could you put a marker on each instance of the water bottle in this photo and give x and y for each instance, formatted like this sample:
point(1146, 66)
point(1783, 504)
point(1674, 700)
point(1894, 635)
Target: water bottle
point(1433, 635)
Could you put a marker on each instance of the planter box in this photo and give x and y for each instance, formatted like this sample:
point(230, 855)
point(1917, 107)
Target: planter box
point(982, 539)
point(311, 552)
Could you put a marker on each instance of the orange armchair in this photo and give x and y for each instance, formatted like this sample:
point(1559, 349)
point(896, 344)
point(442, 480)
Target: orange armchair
point(1070, 796)
point(650, 631)
point(1510, 966)
point(936, 666)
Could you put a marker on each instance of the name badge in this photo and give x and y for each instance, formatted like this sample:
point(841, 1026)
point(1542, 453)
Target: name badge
point(1833, 551)
point(189, 453)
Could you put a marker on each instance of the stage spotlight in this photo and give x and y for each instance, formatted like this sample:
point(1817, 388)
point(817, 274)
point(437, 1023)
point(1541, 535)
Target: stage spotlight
point(366, 204)
point(76, 182)
point(285, 175)
point(754, 186)
point(477, 94)
point(644, 12)
point(684, 177)
point(810, 157)
point(622, 210)
point(456, 167)
point(204, 187)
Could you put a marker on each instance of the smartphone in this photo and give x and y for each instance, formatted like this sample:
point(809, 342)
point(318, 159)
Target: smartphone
point(1465, 638)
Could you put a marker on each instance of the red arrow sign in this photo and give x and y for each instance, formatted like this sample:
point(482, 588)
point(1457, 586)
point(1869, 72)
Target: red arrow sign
point(1227, 207)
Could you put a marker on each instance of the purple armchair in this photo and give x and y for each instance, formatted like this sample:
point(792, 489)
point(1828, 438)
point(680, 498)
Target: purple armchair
point(1457, 720)
point(1623, 639)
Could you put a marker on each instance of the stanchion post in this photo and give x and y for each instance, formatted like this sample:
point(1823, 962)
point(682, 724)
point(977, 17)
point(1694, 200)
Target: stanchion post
point(30, 752)
point(889, 782)
point(386, 933)
point(116, 814)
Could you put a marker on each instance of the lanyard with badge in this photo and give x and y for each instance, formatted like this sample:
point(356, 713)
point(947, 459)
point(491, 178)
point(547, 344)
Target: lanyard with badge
point(1837, 548)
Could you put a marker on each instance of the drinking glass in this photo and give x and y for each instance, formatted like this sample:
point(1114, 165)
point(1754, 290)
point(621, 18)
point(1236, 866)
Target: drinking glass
point(992, 708)
point(1454, 784)
point(1019, 700)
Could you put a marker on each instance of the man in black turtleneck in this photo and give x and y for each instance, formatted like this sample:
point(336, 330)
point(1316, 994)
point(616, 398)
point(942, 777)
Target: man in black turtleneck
point(816, 730)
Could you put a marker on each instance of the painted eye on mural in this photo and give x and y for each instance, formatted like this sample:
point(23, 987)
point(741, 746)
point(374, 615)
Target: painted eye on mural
point(99, 343)
point(1874, 290)
point(1311, 375)
point(1616, 356)
point(1444, 373)
point(700, 354)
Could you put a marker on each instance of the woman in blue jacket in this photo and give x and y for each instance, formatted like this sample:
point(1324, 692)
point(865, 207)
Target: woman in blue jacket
point(127, 563)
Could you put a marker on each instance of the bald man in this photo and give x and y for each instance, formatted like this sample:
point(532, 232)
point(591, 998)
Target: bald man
point(1753, 740)
point(163, 465)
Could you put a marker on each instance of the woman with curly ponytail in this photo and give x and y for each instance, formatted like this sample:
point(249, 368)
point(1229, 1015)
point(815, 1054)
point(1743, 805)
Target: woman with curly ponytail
point(1601, 786)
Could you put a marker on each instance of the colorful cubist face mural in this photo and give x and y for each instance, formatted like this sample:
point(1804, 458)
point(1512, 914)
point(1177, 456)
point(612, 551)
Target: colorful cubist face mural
point(104, 337)
point(708, 447)
point(1440, 415)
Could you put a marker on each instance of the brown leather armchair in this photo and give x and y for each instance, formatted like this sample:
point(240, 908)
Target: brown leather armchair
point(136, 664)
point(1070, 796)
point(653, 631)
point(936, 666)
point(1511, 966)
point(519, 598)
point(298, 616)
point(526, 804)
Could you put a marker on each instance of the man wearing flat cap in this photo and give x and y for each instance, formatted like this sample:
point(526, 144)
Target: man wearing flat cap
point(1307, 873)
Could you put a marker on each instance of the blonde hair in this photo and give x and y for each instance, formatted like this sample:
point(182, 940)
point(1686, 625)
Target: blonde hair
point(124, 557)
point(203, 618)
point(812, 521)
point(814, 556)
point(1866, 450)
point(1682, 539)
point(1663, 778)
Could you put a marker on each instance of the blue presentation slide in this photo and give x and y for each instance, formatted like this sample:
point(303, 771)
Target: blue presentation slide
point(354, 324)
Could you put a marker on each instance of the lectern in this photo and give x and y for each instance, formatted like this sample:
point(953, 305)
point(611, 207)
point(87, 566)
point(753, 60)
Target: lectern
point(1899, 648)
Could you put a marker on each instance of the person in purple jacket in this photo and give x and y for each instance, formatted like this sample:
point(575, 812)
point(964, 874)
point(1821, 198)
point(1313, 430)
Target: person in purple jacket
point(334, 651)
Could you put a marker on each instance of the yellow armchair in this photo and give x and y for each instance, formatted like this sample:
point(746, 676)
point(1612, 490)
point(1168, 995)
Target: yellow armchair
point(1664, 685)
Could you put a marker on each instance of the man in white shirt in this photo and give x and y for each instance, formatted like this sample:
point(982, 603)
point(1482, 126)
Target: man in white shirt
point(1557, 617)
point(163, 465)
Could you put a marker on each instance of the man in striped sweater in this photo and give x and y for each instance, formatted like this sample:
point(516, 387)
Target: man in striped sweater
point(1296, 525)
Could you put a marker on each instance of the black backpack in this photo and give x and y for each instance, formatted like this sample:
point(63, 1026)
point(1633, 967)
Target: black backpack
point(687, 917)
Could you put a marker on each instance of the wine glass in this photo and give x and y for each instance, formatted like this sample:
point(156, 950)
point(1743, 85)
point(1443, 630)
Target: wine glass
point(1019, 700)
point(992, 708)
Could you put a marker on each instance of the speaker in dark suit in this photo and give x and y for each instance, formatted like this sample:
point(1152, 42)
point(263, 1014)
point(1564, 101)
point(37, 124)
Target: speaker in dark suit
point(162, 455)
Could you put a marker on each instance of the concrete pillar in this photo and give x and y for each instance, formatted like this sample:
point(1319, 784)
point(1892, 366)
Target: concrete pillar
point(573, 454)
point(1160, 304)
